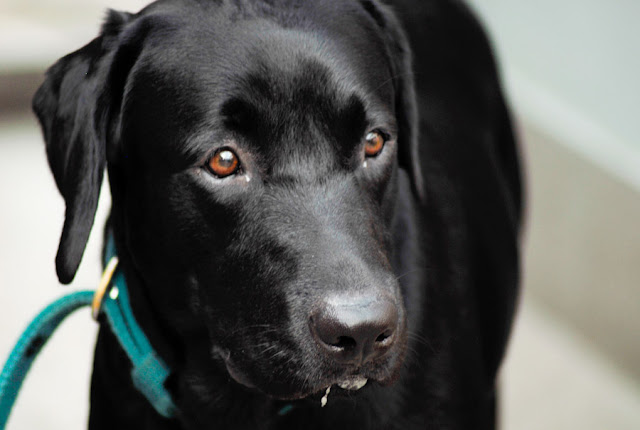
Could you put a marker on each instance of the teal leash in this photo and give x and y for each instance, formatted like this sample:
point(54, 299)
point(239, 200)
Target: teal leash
point(148, 372)
point(30, 343)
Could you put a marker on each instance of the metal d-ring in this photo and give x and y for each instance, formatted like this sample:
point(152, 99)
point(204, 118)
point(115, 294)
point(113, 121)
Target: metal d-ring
point(104, 285)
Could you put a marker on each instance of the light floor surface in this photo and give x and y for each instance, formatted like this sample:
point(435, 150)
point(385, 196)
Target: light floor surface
point(552, 379)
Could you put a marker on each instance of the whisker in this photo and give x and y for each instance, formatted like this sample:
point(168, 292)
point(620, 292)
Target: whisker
point(408, 272)
point(421, 340)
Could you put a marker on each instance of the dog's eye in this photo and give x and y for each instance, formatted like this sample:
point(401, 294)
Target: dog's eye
point(374, 144)
point(224, 163)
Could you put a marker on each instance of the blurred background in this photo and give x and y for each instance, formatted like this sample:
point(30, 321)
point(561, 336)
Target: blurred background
point(570, 69)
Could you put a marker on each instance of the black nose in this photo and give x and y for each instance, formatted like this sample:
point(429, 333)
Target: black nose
point(355, 331)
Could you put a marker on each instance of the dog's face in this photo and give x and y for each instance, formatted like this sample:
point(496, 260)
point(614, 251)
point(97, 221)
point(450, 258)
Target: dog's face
point(253, 159)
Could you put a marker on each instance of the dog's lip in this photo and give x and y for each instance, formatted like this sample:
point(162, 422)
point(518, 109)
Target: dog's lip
point(235, 373)
point(353, 382)
point(238, 375)
point(345, 383)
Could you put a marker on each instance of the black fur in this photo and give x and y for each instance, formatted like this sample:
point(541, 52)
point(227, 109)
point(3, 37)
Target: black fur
point(225, 273)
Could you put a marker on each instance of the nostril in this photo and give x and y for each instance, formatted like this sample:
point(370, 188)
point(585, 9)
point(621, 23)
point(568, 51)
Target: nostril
point(382, 337)
point(345, 342)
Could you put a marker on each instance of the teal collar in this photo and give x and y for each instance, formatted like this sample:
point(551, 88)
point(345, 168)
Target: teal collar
point(149, 372)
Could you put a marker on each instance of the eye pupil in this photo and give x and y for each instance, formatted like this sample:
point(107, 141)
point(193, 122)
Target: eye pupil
point(224, 163)
point(374, 144)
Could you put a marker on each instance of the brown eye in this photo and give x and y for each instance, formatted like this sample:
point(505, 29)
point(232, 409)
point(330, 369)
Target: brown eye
point(224, 163)
point(374, 144)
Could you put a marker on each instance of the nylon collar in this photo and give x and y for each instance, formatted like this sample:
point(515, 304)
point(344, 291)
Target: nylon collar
point(149, 372)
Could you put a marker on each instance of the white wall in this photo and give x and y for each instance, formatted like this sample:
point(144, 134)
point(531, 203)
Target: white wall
point(572, 68)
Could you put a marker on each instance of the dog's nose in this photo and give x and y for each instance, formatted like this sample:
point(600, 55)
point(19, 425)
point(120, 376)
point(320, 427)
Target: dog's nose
point(355, 331)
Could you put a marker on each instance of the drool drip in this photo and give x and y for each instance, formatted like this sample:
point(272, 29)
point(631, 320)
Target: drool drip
point(323, 400)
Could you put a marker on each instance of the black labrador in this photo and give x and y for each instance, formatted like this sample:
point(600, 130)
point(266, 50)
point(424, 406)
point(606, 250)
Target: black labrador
point(306, 194)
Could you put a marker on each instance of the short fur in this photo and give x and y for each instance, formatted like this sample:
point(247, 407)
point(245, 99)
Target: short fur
point(224, 273)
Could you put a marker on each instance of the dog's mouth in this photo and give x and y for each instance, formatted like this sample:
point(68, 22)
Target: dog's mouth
point(338, 385)
point(348, 384)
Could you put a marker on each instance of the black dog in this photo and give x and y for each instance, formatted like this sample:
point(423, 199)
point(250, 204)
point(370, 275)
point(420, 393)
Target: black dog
point(300, 201)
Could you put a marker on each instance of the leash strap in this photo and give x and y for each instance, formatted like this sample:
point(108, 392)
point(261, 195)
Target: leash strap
point(29, 345)
point(148, 372)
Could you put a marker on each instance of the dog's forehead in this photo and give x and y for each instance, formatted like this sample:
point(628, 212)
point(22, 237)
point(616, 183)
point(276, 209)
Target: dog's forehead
point(191, 74)
point(224, 42)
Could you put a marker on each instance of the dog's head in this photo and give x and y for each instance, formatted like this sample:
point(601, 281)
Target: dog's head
point(254, 152)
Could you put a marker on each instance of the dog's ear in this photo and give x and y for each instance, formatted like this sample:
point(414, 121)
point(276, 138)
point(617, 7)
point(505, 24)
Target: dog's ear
point(405, 103)
point(73, 107)
point(407, 117)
